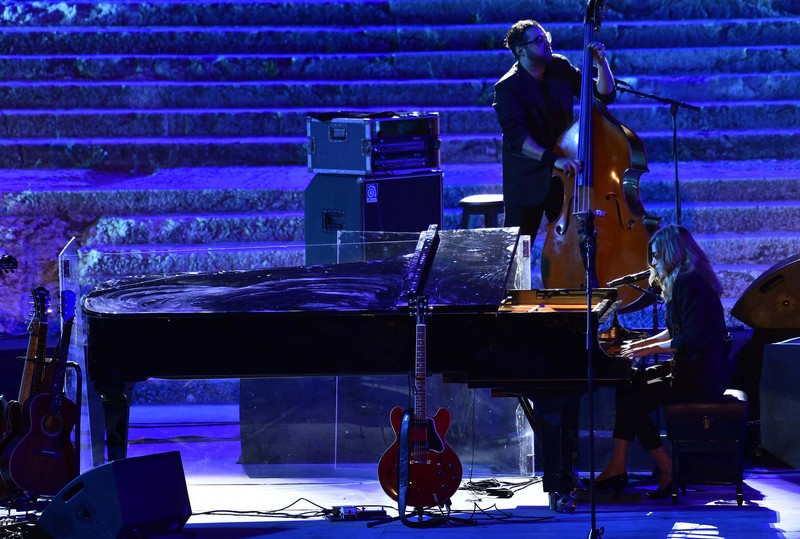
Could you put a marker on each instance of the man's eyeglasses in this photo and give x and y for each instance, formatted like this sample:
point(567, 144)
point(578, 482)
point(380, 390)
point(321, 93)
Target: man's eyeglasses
point(539, 40)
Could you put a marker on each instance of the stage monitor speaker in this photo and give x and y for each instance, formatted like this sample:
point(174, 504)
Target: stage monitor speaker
point(134, 497)
point(771, 301)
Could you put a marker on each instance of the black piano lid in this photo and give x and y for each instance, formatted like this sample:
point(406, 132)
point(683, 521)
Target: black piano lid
point(469, 270)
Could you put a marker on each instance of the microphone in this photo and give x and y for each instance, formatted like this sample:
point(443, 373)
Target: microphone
point(629, 279)
point(622, 83)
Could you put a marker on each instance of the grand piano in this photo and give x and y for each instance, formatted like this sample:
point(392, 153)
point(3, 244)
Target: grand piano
point(355, 319)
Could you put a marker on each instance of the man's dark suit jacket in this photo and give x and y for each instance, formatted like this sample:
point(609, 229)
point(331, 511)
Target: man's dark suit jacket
point(543, 110)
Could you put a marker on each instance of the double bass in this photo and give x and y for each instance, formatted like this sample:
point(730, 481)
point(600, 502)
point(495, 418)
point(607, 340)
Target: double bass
point(602, 200)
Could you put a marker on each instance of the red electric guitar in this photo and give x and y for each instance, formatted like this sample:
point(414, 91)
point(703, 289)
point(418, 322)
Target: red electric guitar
point(434, 470)
point(45, 459)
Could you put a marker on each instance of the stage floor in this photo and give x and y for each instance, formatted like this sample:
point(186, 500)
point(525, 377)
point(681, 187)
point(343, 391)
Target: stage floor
point(234, 501)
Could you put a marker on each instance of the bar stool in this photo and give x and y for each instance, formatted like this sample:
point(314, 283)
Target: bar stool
point(708, 426)
point(489, 206)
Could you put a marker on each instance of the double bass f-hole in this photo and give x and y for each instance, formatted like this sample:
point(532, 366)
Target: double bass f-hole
point(563, 225)
point(614, 199)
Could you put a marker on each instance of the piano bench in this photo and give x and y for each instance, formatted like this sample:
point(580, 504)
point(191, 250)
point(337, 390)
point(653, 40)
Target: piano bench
point(489, 206)
point(718, 425)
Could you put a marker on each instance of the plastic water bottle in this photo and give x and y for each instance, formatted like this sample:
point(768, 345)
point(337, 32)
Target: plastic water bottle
point(525, 442)
point(520, 276)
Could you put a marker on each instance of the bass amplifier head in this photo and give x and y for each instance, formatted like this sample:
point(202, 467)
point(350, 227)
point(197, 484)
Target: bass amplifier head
point(134, 497)
point(771, 301)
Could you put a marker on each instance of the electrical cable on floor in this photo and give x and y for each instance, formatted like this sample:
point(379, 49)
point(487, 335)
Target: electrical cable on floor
point(504, 516)
point(319, 511)
point(501, 489)
point(21, 527)
point(275, 512)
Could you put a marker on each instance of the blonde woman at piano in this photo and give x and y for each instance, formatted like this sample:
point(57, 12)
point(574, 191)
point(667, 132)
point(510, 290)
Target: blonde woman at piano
point(695, 337)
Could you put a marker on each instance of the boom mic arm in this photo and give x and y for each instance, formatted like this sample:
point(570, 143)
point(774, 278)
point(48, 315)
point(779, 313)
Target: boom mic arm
point(629, 279)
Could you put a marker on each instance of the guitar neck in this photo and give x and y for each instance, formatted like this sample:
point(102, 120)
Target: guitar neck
point(30, 361)
point(62, 350)
point(420, 374)
point(33, 376)
point(60, 360)
point(40, 362)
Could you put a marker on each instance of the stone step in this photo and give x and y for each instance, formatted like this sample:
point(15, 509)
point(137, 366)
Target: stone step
point(370, 12)
point(729, 252)
point(33, 193)
point(192, 229)
point(89, 194)
point(29, 193)
point(102, 262)
point(214, 66)
point(105, 262)
point(741, 217)
point(709, 146)
point(178, 122)
point(732, 181)
point(381, 92)
point(729, 235)
point(146, 154)
point(59, 41)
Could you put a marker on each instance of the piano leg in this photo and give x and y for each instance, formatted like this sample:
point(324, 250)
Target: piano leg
point(116, 408)
point(553, 418)
point(97, 426)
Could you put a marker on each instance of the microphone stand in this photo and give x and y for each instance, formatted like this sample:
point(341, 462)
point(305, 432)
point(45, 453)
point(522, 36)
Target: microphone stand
point(650, 291)
point(588, 246)
point(673, 109)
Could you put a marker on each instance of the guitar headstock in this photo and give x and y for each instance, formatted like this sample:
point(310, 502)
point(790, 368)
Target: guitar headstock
point(8, 264)
point(41, 304)
point(67, 305)
point(418, 306)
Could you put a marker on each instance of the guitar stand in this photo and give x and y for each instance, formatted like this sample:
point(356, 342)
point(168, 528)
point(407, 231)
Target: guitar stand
point(422, 517)
point(418, 516)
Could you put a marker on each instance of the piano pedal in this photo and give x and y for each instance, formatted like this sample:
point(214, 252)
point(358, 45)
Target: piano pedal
point(562, 503)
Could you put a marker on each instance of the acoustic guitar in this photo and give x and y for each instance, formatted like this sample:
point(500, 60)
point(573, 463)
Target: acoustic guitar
point(33, 377)
point(434, 470)
point(45, 459)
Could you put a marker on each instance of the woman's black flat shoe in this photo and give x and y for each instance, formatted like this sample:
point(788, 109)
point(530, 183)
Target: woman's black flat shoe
point(660, 493)
point(615, 483)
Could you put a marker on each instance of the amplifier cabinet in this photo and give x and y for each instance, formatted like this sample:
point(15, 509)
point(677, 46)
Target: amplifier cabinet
point(780, 424)
point(360, 143)
point(389, 203)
